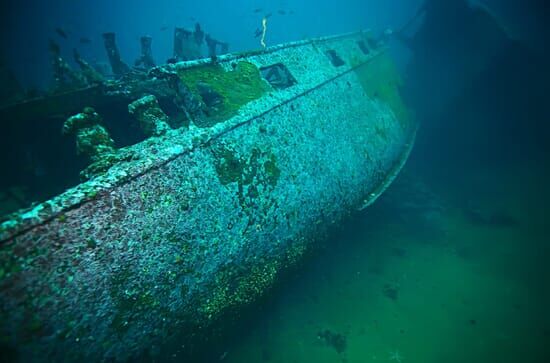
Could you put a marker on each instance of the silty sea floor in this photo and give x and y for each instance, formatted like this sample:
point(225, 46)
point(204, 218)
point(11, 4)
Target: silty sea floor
point(446, 269)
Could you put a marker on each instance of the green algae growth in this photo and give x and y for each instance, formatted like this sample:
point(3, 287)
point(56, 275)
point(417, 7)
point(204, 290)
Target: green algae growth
point(380, 80)
point(236, 88)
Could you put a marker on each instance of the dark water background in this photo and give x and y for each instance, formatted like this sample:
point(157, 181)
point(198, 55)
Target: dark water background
point(450, 265)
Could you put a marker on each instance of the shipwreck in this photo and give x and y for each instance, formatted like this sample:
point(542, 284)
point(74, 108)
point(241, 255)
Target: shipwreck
point(247, 159)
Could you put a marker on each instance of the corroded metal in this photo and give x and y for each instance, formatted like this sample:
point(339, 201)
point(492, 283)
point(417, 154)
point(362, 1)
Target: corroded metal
point(201, 220)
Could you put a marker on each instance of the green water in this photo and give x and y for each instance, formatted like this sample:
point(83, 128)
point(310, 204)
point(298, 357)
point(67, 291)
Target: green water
point(465, 291)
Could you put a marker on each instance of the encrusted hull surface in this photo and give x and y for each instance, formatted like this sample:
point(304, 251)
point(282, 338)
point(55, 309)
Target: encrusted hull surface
point(202, 220)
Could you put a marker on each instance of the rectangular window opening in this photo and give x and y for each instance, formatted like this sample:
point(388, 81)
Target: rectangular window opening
point(278, 76)
point(363, 47)
point(334, 58)
point(372, 43)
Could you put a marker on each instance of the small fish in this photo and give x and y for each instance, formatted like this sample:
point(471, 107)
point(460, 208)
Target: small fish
point(258, 10)
point(281, 12)
point(62, 33)
point(268, 15)
point(257, 33)
point(54, 47)
point(85, 40)
point(163, 28)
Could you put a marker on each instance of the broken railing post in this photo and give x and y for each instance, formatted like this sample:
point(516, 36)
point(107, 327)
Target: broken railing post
point(64, 76)
point(146, 59)
point(187, 43)
point(213, 45)
point(117, 65)
point(179, 36)
point(88, 72)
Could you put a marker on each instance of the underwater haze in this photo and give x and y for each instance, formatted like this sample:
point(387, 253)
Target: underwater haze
point(234, 21)
point(282, 181)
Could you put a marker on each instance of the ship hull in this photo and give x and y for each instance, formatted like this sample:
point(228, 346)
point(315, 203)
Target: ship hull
point(203, 220)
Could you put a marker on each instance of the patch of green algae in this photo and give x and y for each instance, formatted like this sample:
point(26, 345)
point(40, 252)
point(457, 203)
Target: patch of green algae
point(381, 80)
point(230, 168)
point(231, 291)
point(255, 177)
point(235, 286)
point(252, 174)
point(237, 87)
